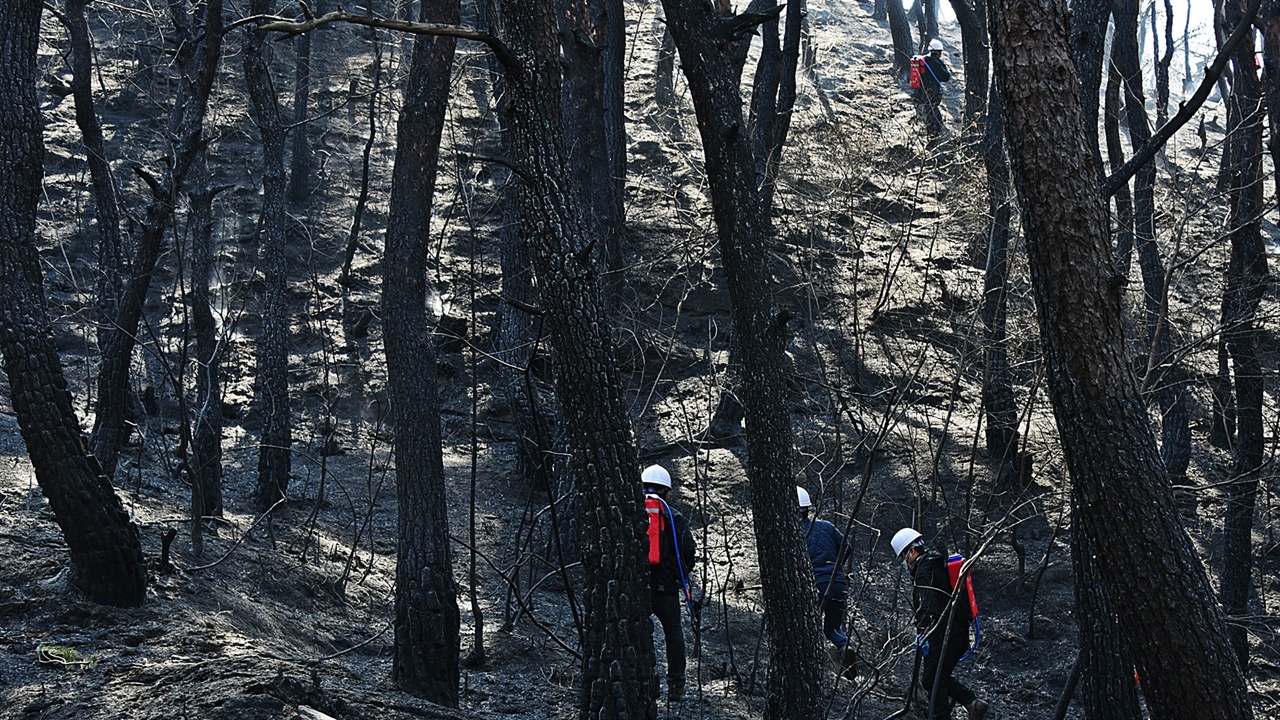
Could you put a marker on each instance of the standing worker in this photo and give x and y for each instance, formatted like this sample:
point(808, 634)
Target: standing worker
point(826, 544)
point(940, 647)
point(671, 556)
point(929, 95)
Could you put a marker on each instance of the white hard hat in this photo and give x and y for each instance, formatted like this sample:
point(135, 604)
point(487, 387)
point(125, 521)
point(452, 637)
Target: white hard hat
point(803, 496)
point(935, 44)
point(656, 475)
point(903, 539)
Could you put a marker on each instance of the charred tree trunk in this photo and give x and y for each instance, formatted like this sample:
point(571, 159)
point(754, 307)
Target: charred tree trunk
point(300, 165)
point(1107, 687)
point(997, 388)
point(1162, 376)
point(977, 60)
point(743, 229)
point(206, 451)
point(110, 242)
point(1089, 41)
point(425, 657)
point(591, 32)
point(1247, 281)
point(272, 401)
point(1123, 198)
point(106, 557)
point(1156, 584)
point(1269, 20)
point(1162, 67)
point(198, 61)
point(900, 31)
point(518, 337)
point(773, 98)
point(617, 650)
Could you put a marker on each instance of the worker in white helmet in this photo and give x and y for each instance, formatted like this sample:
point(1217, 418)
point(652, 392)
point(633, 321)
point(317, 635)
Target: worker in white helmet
point(940, 648)
point(671, 558)
point(828, 551)
point(929, 96)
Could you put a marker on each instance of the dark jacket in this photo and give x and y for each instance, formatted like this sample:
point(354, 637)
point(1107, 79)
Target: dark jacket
point(935, 73)
point(932, 592)
point(664, 578)
point(824, 542)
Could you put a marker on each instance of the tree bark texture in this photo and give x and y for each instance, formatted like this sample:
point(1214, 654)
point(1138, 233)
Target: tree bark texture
point(743, 230)
point(106, 557)
point(197, 59)
point(997, 388)
point(1089, 41)
point(1162, 67)
point(1107, 687)
point(300, 166)
point(773, 98)
point(900, 31)
point(1148, 567)
point(592, 79)
point(1115, 155)
point(1269, 22)
point(618, 678)
point(1247, 281)
point(425, 656)
point(276, 447)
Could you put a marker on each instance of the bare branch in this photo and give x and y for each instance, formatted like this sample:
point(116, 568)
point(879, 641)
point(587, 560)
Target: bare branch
point(500, 50)
point(1186, 109)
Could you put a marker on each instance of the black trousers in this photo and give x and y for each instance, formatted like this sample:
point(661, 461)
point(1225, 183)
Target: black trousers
point(949, 689)
point(667, 609)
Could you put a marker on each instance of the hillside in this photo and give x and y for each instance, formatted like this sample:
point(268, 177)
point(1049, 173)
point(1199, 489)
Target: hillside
point(881, 248)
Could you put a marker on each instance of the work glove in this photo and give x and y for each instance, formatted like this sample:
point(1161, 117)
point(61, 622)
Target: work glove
point(922, 644)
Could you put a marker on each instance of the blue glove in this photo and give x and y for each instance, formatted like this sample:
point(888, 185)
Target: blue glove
point(922, 644)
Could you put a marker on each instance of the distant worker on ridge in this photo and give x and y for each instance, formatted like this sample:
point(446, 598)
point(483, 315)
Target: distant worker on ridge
point(936, 643)
point(671, 557)
point(828, 551)
point(933, 73)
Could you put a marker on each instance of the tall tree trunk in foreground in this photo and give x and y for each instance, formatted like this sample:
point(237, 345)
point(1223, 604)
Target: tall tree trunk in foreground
point(425, 657)
point(1247, 280)
point(106, 557)
point(275, 451)
point(744, 233)
point(617, 652)
point(1149, 569)
point(977, 61)
point(1107, 687)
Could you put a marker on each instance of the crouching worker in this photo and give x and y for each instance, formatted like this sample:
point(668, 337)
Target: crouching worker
point(671, 557)
point(941, 643)
point(828, 552)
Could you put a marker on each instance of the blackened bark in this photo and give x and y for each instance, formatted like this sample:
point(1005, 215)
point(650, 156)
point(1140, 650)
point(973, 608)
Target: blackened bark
point(300, 166)
point(518, 338)
point(592, 79)
point(773, 98)
point(1157, 586)
point(197, 59)
point(1162, 66)
point(997, 387)
point(1107, 687)
point(1247, 281)
point(1161, 378)
point(617, 652)
point(206, 418)
point(106, 557)
point(272, 400)
point(900, 31)
point(106, 209)
point(743, 230)
point(1269, 21)
point(1115, 153)
point(425, 657)
point(977, 59)
point(664, 93)
point(1088, 40)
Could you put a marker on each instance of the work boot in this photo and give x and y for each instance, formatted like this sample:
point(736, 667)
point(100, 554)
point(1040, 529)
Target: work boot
point(849, 665)
point(675, 689)
point(977, 709)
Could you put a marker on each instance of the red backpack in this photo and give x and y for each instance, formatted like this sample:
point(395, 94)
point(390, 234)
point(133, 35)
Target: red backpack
point(654, 508)
point(954, 563)
point(917, 72)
